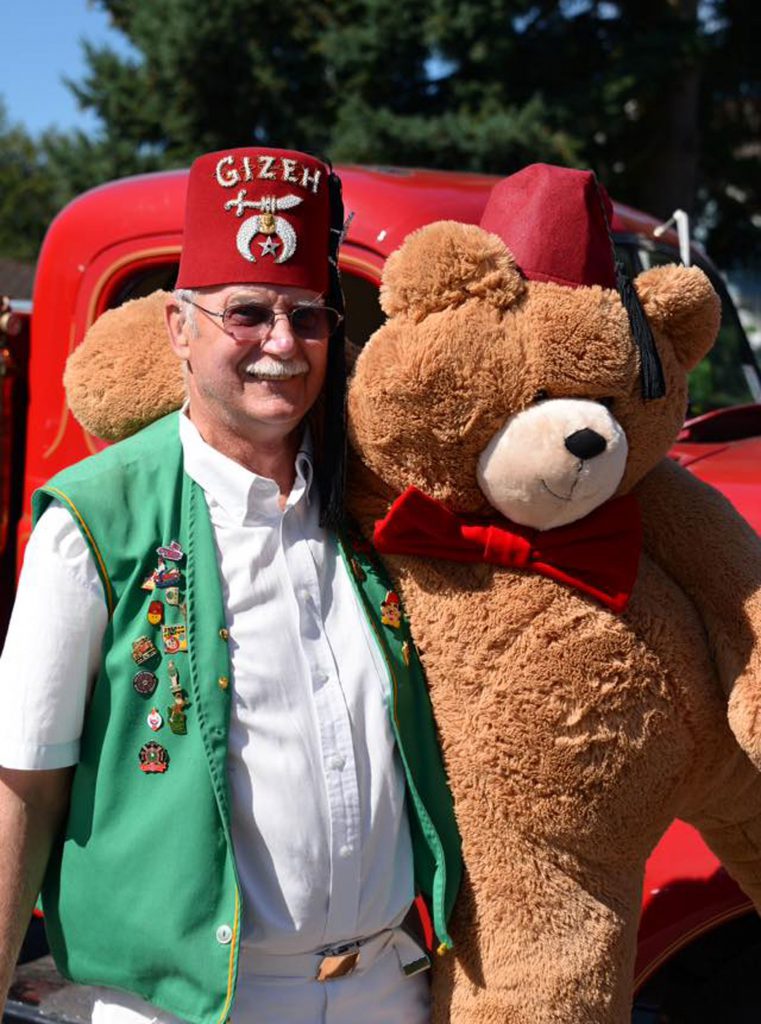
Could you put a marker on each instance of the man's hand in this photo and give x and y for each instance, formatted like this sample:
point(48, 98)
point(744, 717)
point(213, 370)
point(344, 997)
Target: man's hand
point(32, 807)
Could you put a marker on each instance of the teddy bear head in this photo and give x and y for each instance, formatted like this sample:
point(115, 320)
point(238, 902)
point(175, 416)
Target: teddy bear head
point(497, 386)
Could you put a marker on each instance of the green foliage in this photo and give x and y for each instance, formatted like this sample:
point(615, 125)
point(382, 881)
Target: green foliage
point(28, 192)
point(660, 98)
point(491, 138)
point(212, 75)
point(358, 80)
point(718, 382)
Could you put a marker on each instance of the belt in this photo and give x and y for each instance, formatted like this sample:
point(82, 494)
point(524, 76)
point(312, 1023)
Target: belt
point(337, 961)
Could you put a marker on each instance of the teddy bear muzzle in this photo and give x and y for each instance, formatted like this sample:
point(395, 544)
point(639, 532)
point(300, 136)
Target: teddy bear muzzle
point(554, 462)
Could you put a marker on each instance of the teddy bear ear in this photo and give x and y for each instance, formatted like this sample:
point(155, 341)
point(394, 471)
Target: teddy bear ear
point(443, 264)
point(681, 303)
point(124, 375)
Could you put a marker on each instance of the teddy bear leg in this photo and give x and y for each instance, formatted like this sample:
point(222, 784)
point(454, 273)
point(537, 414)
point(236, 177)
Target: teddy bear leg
point(540, 946)
point(698, 538)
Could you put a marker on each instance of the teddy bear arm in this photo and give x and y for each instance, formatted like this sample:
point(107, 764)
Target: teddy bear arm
point(699, 540)
point(727, 813)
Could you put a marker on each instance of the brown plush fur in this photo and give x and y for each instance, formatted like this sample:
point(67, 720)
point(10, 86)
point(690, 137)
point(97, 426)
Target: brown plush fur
point(572, 736)
point(124, 375)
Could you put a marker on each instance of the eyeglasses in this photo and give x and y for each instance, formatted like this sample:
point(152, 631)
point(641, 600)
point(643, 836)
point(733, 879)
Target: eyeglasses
point(250, 321)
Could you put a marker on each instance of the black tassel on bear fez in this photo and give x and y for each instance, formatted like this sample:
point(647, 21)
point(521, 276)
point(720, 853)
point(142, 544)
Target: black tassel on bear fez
point(651, 372)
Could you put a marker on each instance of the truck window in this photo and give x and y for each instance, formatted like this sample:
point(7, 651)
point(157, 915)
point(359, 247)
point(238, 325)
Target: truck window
point(728, 375)
point(363, 312)
point(143, 282)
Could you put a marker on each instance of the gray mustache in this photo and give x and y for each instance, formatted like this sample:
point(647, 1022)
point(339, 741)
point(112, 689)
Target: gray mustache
point(278, 369)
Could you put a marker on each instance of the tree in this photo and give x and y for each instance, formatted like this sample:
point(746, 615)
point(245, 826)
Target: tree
point(223, 73)
point(29, 193)
point(355, 79)
point(730, 156)
point(661, 97)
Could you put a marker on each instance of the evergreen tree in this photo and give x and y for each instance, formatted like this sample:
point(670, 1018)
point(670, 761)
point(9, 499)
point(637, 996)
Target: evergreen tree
point(355, 79)
point(29, 193)
point(222, 73)
point(661, 97)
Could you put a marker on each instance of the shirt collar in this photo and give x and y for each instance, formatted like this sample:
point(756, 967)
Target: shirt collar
point(239, 492)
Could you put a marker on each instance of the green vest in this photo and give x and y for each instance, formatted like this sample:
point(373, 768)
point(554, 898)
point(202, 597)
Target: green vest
point(142, 891)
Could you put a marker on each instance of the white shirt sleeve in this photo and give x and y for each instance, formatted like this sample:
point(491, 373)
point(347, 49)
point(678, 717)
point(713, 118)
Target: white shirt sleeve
point(53, 646)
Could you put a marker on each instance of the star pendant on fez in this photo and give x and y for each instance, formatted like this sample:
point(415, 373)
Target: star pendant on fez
point(269, 248)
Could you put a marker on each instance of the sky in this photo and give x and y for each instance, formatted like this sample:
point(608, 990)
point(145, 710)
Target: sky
point(41, 44)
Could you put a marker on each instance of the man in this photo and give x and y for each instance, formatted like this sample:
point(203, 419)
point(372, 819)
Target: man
point(213, 660)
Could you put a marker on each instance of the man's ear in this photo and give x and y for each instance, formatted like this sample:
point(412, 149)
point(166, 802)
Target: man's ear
point(681, 304)
point(177, 327)
point(443, 264)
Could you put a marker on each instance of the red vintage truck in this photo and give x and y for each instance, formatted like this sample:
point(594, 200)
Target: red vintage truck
point(122, 240)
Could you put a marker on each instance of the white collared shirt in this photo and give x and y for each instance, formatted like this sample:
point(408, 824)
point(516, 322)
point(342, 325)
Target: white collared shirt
point(319, 825)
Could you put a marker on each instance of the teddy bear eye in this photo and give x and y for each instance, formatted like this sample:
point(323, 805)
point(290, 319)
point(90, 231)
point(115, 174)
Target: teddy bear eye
point(541, 396)
point(607, 402)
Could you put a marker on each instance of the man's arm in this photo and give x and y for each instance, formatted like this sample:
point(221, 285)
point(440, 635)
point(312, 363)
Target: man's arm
point(48, 665)
point(32, 808)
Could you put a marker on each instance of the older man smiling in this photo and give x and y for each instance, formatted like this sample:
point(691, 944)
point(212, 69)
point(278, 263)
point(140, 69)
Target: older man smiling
point(238, 839)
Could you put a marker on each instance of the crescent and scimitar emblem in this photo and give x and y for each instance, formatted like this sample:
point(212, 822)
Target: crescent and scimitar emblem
point(265, 223)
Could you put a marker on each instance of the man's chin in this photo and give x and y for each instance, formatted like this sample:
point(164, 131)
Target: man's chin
point(261, 408)
point(277, 409)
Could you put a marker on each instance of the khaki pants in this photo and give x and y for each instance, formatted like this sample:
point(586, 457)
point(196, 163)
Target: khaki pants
point(377, 992)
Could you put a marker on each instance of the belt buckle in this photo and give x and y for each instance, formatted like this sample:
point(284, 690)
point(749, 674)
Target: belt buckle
point(338, 962)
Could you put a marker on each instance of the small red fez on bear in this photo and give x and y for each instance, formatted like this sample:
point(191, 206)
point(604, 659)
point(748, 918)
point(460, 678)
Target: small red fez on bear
point(555, 221)
point(256, 216)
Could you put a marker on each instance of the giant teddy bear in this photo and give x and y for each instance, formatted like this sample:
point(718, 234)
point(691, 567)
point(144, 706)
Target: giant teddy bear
point(585, 694)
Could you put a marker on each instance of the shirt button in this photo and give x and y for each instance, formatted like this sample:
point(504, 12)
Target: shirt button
point(321, 678)
point(224, 634)
point(336, 761)
point(224, 935)
point(346, 851)
point(223, 682)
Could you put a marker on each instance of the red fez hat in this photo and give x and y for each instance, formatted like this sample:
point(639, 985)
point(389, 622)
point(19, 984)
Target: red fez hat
point(256, 215)
point(555, 221)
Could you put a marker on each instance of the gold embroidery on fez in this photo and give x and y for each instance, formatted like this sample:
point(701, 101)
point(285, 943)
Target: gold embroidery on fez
point(265, 223)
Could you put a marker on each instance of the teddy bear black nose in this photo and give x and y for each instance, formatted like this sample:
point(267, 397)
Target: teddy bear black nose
point(585, 444)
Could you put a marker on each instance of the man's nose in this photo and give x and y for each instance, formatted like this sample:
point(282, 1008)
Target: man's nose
point(281, 338)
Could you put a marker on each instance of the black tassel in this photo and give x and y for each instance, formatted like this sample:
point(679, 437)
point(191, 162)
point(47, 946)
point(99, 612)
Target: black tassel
point(652, 380)
point(331, 468)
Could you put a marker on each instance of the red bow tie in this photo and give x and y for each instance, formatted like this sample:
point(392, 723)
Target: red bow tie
point(597, 555)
